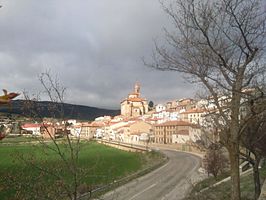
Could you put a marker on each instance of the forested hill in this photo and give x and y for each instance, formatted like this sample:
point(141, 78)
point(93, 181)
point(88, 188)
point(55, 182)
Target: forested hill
point(56, 110)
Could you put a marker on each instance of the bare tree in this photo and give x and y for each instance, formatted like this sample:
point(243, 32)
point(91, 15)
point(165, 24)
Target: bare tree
point(220, 45)
point(254, 137)
point(215, 161)
point(50, 182)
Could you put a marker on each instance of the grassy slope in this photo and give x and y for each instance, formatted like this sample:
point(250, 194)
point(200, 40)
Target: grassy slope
point(222, 191)
point(102, 164)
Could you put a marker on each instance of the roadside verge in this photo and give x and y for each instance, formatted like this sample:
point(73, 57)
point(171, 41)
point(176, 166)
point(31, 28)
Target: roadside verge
point(116, 183)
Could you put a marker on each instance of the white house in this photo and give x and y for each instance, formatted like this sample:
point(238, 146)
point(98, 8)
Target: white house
point(103, 118)
point(181, 137)
point(195, 133)
point(166, 115)
point(75, 129)
point(160, 107)
point(194, 116)
point(34, 128)
point(174, 115)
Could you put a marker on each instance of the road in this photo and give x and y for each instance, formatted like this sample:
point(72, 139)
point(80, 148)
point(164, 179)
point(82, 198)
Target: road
point(172, 181)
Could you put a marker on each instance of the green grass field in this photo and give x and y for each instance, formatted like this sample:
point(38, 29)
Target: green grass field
point(15, 140)
point(98, 165)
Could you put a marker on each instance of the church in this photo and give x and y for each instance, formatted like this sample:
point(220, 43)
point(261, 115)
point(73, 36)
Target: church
point(134, 105)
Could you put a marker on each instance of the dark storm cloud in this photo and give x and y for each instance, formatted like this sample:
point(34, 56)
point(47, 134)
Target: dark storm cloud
point(93, 47)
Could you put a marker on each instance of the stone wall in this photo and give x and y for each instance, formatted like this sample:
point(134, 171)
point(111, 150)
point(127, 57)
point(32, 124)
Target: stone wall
point(124, 146)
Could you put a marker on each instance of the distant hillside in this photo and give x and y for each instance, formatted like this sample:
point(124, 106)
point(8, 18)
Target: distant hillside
point(55, 110)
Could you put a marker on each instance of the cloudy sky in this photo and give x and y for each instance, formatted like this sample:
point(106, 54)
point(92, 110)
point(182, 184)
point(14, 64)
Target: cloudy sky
point(94, 47)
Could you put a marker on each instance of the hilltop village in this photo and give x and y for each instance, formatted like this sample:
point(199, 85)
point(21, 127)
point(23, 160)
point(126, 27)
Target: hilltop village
point(178, 121)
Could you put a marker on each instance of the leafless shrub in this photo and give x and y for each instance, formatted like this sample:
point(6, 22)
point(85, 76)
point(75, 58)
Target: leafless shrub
point(215, 162)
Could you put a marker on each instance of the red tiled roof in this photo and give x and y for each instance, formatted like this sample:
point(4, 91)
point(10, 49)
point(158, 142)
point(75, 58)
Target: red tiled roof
point(36, 125)
point(97, 124)
point(135, 133)
point(85, 124)
point(136, 99)
point(175, 123)
point(121, 127)
point(197, 110)
point(183, 104)
point(31, 126)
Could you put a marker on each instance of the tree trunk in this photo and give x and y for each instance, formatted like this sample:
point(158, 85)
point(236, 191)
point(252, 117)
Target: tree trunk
point(235, 178)
point(256, 176)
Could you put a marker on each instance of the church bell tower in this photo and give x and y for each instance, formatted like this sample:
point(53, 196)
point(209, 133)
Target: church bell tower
point(137, 89)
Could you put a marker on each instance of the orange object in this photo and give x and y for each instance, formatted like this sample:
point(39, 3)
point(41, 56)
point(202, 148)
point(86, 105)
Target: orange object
point(2, 136)
point(7, 97)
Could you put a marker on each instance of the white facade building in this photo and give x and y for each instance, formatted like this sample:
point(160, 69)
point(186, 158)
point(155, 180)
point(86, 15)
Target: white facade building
point(160, 108)
point(181, 137)
point(34, 128)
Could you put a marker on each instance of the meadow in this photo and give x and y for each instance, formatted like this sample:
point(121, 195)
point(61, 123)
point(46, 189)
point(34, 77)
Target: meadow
point(24, 166)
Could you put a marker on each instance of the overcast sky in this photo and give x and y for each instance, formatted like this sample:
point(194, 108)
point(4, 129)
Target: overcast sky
point(94, 47)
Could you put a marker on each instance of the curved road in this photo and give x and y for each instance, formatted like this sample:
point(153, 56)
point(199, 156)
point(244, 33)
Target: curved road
point(172, 181)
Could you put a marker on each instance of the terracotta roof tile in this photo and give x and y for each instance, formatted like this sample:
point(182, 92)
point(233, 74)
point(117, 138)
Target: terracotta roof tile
point(136, 99)
point(31, 126)
point(175, 123)
point(197, 110)
point(35, 125)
